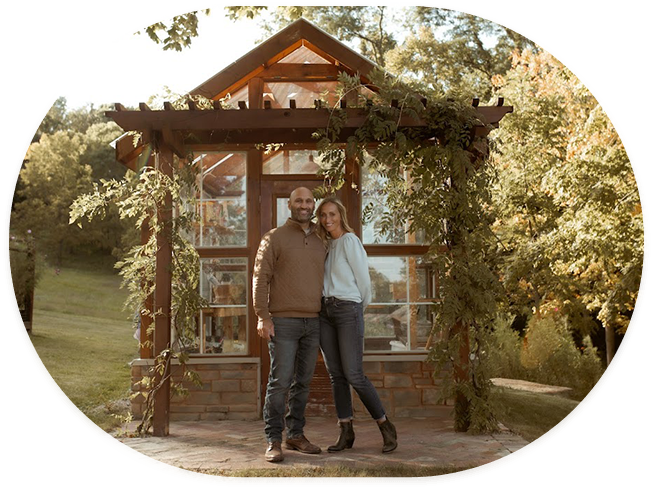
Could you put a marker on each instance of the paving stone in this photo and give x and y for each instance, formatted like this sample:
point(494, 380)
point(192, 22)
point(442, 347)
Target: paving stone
point(240, 444)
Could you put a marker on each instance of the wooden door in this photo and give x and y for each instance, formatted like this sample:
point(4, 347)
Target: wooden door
point(274, 212)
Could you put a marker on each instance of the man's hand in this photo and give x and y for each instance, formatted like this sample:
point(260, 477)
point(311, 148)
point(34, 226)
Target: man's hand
point(265, 328)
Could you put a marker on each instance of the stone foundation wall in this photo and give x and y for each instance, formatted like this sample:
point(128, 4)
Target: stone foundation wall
point(405, 385)
point(229, 390)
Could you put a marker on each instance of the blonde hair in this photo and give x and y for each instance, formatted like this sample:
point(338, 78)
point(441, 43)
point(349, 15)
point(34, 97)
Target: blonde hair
point(321, 232)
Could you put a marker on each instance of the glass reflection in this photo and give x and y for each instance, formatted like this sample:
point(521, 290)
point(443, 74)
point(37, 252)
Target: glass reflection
point(223, 200)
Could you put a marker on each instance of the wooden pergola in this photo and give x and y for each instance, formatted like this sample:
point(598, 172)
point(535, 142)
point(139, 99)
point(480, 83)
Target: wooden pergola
point(257, 120)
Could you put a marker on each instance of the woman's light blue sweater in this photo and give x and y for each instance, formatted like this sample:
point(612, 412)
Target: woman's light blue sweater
point(346, 271)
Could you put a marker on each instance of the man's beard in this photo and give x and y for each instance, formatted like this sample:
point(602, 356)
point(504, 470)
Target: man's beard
point(296, 216)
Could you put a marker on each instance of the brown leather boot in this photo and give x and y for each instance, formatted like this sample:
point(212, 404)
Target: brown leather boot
point(274, 453)
point(346, 437)
point(389, 434)
point(302, 445)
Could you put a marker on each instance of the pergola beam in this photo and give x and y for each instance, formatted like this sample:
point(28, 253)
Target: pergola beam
point(262, 119)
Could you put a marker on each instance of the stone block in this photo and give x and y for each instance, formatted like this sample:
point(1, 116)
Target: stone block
point(204, 399)
point(247, 385)
point(418, 412)
point(239, 374)
point(371, 367)
point(406, 398)
point(431, 396)
point(248, 415)
point(184, 417)
point(398, 381)
point(217, 408)
point(182, 408)
point(402, 367)
point(225, 385)
point(209, 375)
point(212, 416)
point(238, 399)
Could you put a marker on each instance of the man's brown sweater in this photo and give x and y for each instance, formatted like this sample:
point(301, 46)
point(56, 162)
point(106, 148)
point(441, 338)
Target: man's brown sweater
point(289, 273)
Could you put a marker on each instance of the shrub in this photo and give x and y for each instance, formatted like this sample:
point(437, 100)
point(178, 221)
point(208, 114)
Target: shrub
point(22, 261)
point(547, 354)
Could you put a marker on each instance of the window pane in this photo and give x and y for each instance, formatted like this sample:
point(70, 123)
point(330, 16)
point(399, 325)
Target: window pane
point(374, 209)
point(223, 200)
point(303, 93)
point(400, 315)
point(225, 330)
point(283, 213)
point(291, 162)
point(223, 283)
point(389, 279)
point(303, 55)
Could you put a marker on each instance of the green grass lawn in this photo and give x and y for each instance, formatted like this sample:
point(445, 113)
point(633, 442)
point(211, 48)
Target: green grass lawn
point(62, 383)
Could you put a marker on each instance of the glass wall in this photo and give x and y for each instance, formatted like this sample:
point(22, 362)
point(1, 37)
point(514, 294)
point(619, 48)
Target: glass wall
point(399, 317)
point(223, 325)
point(291, 162)
point(374, 209)
point(222, 200)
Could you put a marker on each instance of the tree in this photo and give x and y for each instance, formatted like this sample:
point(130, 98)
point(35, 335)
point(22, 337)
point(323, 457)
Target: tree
point(566, 201)
point(447, 50)
point(52, 178)
point(23, 123)
point(172, 23)
point(57, 169)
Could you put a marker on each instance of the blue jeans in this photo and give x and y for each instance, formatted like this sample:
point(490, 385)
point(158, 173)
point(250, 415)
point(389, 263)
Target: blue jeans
point(342, 332)
point(293, 354)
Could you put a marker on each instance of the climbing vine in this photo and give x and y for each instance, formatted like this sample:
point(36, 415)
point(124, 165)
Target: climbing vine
point(436, 181)
point(137, 198)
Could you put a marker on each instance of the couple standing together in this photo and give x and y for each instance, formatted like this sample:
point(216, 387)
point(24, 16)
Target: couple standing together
point(311, 285)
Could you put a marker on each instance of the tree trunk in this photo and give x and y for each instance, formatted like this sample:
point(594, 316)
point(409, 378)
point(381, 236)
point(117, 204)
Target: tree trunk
point(609, 343)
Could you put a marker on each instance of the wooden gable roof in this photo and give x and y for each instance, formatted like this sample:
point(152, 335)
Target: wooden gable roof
point(259, 61)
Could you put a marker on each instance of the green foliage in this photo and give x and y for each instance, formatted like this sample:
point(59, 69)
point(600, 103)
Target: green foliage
point(24, 272)
point(69, 155)
point(172, 23)
point(441, 190)
point(547, 354)
point(450, 51)
point(568, 210)
point(138, 200)
point(23, 123)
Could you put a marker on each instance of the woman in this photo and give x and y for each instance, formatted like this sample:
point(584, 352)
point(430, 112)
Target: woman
point(347, 291)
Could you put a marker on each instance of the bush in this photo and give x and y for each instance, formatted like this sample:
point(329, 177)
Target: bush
point(22, 261)
point(547, 354)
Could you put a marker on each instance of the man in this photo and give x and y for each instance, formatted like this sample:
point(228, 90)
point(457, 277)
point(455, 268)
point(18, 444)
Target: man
point(287, 295)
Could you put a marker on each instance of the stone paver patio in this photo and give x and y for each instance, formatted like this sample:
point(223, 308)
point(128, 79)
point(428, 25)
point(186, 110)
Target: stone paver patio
point(241, 444)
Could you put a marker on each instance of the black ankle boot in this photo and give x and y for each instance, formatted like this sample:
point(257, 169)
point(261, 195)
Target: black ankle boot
point(389, 434)
point(346, 437)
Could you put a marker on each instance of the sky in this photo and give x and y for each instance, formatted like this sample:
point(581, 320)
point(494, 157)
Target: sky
point(93, 69)
point(90, 68)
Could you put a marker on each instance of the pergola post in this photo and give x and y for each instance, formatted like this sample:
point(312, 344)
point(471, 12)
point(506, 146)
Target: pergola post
point(146, 337)
point(163, 296)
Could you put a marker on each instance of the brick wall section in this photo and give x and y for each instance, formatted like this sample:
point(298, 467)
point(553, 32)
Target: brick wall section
point(229, 389)
point(229, 392)
point(406, 387)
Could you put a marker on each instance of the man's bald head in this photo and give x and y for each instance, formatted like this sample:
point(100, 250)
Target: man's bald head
point(301, 205)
